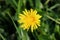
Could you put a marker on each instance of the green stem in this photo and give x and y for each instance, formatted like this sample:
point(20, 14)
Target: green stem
point(34, 36)
point(14, 25)
point(53, 19)
point(56, 5)
point(47, 2)
point(14, 2)
point(2, 36)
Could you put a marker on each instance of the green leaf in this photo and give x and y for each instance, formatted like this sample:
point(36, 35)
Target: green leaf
point(23, 35)
point(13, 3)
point(31, 3)
point(1, 30)
point(18, 10)
point(43, 37)
point(57, 28)
point(38, 5)
point(52, 37)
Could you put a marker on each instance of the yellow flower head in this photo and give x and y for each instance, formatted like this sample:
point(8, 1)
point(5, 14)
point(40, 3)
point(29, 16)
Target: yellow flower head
point(29, 19)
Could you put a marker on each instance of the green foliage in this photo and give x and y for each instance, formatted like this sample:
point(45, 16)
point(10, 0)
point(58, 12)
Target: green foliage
point(50, 21)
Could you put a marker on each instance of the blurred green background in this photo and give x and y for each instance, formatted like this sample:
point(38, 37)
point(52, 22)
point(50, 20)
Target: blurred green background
point(50, 21)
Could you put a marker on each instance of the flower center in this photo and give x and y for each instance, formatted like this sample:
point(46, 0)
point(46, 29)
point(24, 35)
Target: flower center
point(33, 19)
point(30, 20)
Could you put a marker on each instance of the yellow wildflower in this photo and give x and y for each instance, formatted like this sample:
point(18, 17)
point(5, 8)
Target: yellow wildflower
point(29, 19)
